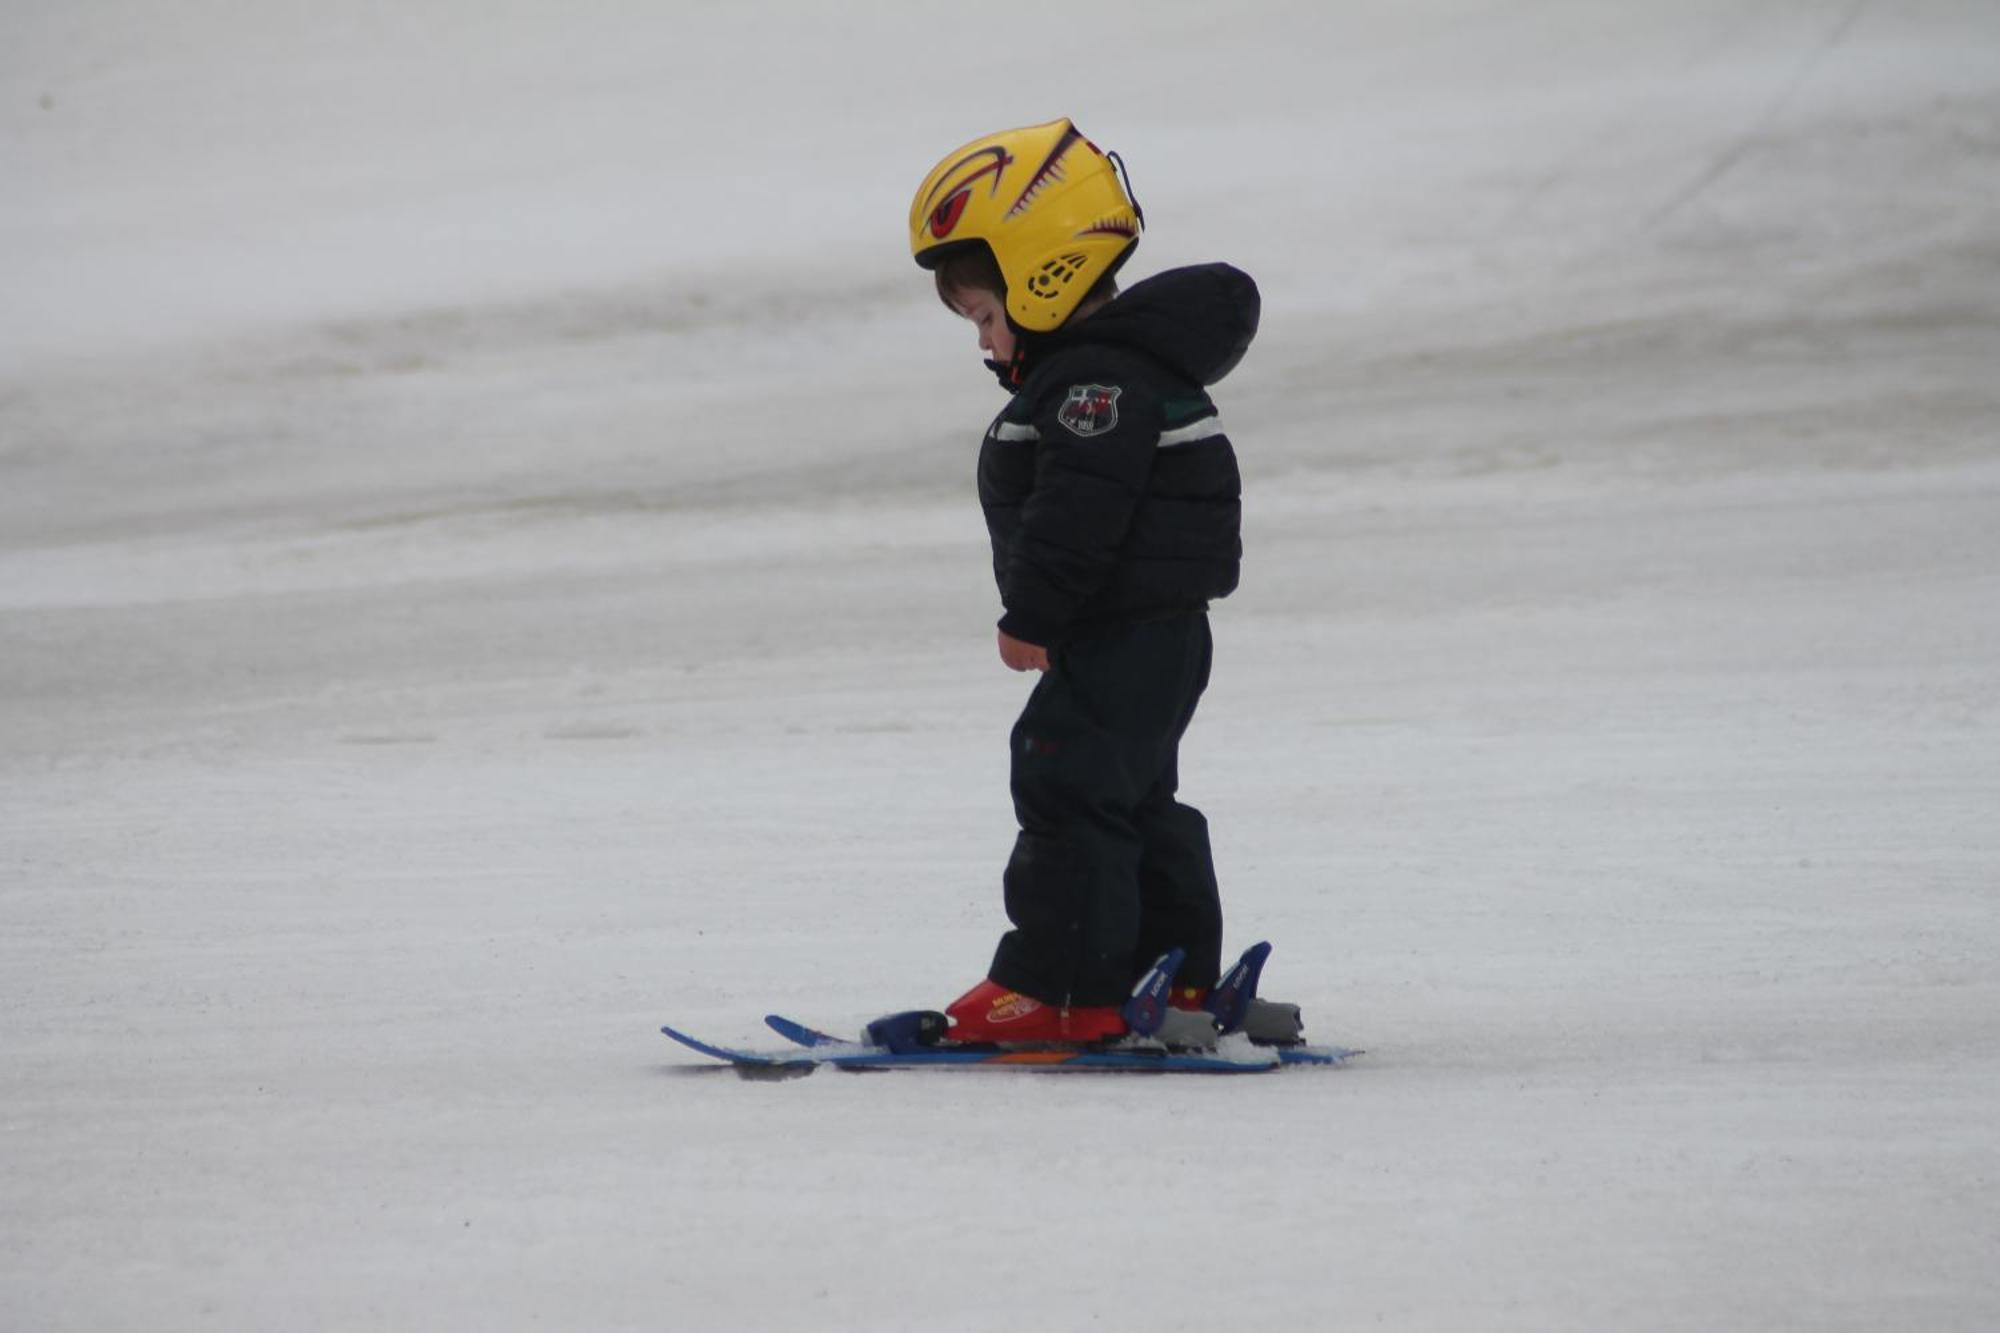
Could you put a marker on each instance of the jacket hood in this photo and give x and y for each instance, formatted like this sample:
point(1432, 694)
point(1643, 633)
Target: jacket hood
point(1199, 321)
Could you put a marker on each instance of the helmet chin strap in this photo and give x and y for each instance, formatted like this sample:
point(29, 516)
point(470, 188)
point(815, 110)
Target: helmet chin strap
point(1012, 371)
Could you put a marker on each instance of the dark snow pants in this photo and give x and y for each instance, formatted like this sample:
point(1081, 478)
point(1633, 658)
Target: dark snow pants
point(1109, 870)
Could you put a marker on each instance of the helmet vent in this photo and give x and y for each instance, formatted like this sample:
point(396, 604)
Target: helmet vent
point(1054, 275)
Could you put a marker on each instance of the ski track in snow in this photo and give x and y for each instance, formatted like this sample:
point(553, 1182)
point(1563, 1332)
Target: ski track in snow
point(487, 566)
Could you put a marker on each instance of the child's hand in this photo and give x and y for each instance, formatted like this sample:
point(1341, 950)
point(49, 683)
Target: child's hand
point(1022, 656)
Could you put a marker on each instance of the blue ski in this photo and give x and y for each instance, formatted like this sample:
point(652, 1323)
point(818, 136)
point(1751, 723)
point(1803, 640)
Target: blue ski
point(1078, 1059)
point(812, 1038)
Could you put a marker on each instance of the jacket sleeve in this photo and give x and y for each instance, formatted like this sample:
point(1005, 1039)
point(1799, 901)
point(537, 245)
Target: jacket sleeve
point(1098, 436)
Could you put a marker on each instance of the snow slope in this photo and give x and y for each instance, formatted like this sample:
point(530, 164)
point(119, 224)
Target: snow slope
point(487, 566)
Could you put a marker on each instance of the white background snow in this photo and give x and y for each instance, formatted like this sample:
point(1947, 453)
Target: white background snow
point(488, 565)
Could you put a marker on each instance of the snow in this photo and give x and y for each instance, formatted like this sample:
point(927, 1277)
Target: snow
point(487, 566)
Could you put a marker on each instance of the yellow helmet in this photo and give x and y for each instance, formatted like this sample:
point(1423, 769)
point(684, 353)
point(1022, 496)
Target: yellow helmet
point(1045, 200)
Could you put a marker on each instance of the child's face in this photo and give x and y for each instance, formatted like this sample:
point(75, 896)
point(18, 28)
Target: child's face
point(989, 315)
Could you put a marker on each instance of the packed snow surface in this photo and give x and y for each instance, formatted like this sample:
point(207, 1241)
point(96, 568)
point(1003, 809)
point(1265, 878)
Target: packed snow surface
point(488, 566)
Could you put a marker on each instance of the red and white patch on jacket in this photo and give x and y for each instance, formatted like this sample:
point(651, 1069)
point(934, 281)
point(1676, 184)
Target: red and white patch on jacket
point(1089, 409)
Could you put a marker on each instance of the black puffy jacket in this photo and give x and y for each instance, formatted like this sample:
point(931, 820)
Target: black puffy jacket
point(1111, 493)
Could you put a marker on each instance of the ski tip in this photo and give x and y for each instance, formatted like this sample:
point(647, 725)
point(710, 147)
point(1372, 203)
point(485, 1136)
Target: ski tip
point(794, 1031)
point(693, 1043)
point(1329, 1056)
point(741, 1059)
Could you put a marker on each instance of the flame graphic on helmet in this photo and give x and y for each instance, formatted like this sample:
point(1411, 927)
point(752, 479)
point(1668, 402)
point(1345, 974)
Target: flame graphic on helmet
point(1110, 227)
point(1046, 174)
point(958, 182)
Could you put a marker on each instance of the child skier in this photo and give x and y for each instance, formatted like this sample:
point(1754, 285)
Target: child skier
point(1112, 499)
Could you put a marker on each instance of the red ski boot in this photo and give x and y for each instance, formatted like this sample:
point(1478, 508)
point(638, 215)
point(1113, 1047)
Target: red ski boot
point(991, 1012)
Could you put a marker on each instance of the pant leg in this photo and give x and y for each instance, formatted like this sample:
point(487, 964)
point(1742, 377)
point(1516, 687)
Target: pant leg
point(1103, 848)
point(1072, 882)
point(1180, 904)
